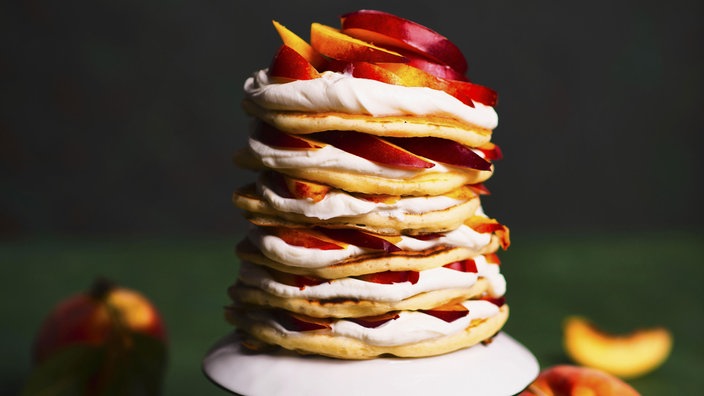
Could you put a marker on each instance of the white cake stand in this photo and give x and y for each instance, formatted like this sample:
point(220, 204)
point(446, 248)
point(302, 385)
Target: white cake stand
point(504, 367)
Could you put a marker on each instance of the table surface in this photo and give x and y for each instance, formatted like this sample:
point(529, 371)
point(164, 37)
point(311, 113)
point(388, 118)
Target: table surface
point(620, 281)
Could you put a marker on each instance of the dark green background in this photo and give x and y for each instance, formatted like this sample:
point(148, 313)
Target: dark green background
point(118, 120)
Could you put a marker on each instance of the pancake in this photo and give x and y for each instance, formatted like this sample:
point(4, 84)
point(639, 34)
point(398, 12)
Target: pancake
point(297, 122)
point(242, 294)
point(371, 263)
point(260, 212)
point(423, 183)
point(343, 347)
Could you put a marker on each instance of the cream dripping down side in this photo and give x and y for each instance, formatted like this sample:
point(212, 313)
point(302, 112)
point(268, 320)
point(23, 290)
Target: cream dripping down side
point(339, 92)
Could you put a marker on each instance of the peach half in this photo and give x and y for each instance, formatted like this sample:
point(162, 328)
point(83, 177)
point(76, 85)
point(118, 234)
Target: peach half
point(626, 355)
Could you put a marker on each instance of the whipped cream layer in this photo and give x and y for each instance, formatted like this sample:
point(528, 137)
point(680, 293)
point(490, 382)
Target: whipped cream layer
point(338, 203)
point(340, 92)
point(351, 288)
point(410, 327)
point(278, 250)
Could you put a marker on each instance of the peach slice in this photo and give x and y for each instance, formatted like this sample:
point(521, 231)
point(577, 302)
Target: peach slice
point(491, 151)
point(291, 187)
point(371, 71)
point(299, 281)
point(407, 75)
point(448, 312)
point(436, 69)
point(391, 277)
point(289, 65)
point(468, 265)
point(465, 91)
point(627, 356)
point(480, 189)
point(486, 225)
point(567, 380)
point(296, 322)
point(306, 237)
point(386, 29)
point(375, 320)
point(492, 258)
point(332, 43)
point(305, 189)
point(273, 137)
point(378, 198)
point(463, 193)
point(372, 148)
point(443, 150)
point(292, 40)
point(363, 239)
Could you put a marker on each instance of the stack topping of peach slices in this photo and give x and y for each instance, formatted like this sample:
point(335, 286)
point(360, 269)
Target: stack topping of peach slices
point(368, 237)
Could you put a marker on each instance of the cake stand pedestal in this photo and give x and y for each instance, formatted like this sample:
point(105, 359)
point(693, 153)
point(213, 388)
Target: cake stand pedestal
point(503, 367)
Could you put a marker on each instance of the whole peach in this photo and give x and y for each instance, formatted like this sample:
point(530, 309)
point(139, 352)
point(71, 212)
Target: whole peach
point(569, 380)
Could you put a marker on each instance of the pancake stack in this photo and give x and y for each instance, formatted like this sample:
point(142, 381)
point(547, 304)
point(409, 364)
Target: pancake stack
point(368, 238)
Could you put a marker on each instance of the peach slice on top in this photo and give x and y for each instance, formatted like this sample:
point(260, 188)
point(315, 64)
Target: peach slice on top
point(386, 29)
point(436, 69)
point(463, 90)
point(292, 40)
point(371, 71)
point(409, 76)
point(330, 42)
point(289, 65)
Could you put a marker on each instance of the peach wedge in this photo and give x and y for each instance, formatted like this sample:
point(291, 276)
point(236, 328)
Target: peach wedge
point(627, 356)
point(299, 45)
